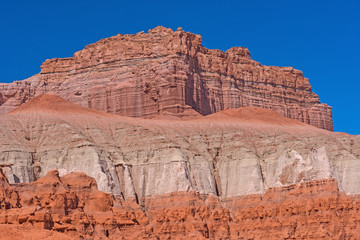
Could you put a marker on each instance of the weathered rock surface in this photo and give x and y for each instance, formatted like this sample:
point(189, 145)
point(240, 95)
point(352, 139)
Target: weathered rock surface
point(70, 204)
point(148, 74)
point(71, 207)
point(228, 154)
point(246, 173)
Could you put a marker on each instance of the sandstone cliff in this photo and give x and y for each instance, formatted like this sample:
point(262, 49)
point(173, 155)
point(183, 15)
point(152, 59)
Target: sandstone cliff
point(147, 74)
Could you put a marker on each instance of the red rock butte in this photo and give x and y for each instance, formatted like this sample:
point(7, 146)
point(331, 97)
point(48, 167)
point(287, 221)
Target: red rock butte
point(169, 72)
point(153, 136)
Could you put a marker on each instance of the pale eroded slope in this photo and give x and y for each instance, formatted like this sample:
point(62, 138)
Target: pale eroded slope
point(231, 153)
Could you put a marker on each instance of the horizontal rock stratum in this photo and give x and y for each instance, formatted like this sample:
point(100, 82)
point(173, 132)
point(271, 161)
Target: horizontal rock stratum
point(148, 74)
point(230, 153)
point(246, 173)
point(153, 136)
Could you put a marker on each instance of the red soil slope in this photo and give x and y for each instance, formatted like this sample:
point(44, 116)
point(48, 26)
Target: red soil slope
point(53, 104)
point(254, 115)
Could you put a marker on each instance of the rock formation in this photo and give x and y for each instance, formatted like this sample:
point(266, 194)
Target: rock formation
point(191, 165)
point(148, 74)
point(246, 173)
point(72, 208)
point(230, 153)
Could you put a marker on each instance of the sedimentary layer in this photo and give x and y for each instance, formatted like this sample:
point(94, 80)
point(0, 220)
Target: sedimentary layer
point(228, 154)
point(71, 207)
point(147, 74)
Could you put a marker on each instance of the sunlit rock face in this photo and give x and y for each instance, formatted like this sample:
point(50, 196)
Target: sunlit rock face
point(71, 207)
point(239, 173)
point(147, 74)
point(230, 153)
point(153, 136)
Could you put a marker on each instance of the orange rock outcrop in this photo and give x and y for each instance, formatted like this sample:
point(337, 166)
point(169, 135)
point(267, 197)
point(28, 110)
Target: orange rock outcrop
point(71, 207)
point(166, 71)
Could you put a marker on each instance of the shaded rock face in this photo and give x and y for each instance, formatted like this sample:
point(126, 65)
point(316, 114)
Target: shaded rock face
point(147, 74)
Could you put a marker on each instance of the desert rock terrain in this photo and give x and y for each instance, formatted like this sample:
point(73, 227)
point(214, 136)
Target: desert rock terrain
point(240, 173)
point(154, 136)
point(147, 74)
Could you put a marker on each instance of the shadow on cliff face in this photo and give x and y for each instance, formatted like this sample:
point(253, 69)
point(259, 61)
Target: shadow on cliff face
point(196, 92)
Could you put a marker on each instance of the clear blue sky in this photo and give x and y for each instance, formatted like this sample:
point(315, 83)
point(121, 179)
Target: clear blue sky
point(321, 38)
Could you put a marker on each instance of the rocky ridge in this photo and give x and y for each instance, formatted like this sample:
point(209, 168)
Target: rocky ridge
point(165, 71)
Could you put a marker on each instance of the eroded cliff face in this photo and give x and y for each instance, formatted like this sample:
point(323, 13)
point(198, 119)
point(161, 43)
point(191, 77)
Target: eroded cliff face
point(228, 154)
point(72, 208)
point(147, 74)
point(246, 173)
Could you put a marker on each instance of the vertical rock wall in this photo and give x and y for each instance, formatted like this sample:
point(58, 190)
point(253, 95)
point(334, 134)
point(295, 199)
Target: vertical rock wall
point(146, 74)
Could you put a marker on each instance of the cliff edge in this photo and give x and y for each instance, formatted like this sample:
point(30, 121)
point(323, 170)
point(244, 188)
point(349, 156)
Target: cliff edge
point(166, 71)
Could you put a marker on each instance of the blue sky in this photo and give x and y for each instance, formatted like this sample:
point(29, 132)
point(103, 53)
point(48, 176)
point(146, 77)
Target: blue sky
point(321, 38)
